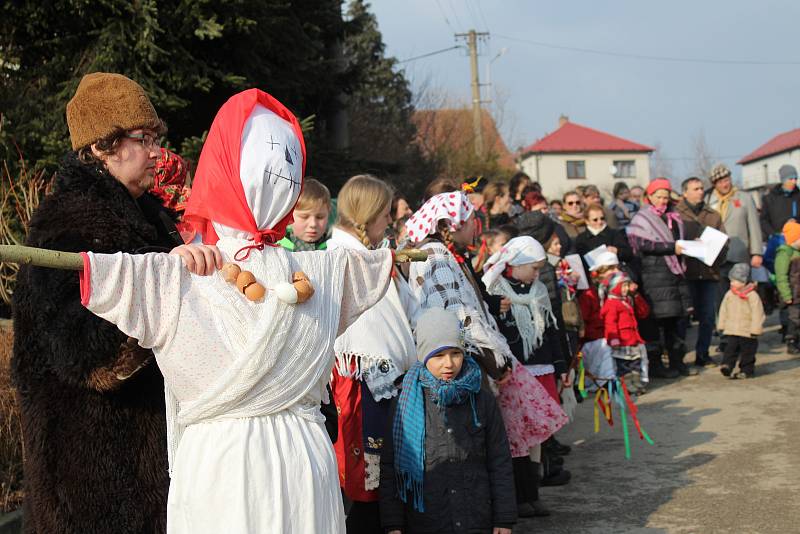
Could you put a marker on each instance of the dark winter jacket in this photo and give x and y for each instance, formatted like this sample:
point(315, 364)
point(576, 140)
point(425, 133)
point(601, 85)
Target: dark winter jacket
point(586, 242)
point(666, 292)
point(619, 316)
point(92, 401)
point(777, 207)
point(548, 353)
point(695, 220)
point(468, 481)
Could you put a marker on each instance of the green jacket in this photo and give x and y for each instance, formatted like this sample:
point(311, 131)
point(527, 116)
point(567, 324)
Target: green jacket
point(293, 244)
point(783, 261)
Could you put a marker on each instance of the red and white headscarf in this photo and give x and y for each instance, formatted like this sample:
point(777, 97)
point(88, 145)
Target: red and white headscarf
point(454, 207)
point(250, 171)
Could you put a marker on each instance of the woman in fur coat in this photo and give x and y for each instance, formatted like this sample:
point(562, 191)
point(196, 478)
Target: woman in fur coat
point(92, 399)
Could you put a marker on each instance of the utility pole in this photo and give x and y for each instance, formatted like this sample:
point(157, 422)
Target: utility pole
point(472, 43)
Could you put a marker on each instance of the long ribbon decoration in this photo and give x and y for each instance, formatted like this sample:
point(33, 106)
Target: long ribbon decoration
point(634, 411)
point(619, 396)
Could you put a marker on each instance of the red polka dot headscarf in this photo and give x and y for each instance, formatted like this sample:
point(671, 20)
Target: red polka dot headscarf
point(454, 207)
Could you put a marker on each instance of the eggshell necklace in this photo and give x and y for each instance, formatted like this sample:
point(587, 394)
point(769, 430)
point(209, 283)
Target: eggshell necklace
point(298, 291)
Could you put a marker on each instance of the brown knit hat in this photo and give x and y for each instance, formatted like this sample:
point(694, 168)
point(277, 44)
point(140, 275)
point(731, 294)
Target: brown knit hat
point(105, 102)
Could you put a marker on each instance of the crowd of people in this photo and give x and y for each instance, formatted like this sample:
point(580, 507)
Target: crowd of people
point(306, 366)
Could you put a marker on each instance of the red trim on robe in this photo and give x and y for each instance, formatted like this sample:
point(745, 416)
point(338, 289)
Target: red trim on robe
point(85, 277)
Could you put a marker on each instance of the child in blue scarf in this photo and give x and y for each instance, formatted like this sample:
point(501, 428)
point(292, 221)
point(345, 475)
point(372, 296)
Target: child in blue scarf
point(447, 465)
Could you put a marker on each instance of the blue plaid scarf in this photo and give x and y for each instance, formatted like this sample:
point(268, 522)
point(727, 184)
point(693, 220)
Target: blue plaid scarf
point(409, 422)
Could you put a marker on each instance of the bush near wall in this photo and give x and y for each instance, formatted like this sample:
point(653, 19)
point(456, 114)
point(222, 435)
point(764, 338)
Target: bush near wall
point(10, 428)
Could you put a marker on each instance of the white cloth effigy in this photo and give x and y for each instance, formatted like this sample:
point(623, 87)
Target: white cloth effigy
point(379, 346)
point(248, 449)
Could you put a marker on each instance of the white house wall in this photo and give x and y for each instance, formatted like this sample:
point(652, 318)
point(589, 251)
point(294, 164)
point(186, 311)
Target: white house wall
point(764, 172)
point(550, 170)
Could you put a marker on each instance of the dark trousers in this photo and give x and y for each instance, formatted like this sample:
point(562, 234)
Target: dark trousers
point(742, 349)
point(792, 313)
point(526, 479)
point(704, 297)
point(364, 518)
point(664, 335)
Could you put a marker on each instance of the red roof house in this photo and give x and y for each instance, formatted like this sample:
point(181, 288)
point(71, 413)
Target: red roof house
point(575, 155)
point(780, 143)
point(571, 137)
point(760, 167)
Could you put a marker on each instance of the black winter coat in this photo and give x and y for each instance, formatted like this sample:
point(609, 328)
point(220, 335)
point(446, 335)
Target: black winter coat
point(468, 481)
point(92, 401)
point(667, 293)
point(586, 242)
point(777, 207)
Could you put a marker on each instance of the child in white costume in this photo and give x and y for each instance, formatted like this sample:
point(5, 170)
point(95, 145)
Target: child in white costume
point(248, 450)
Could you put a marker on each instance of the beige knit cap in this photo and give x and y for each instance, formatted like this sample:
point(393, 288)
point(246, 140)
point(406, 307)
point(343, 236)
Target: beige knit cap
point(105, 102)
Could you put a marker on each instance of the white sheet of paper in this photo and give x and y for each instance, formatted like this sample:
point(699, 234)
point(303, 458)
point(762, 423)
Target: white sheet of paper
point(592, 254)
point(575, 262)
point(695, 249)
point(715, 241)
point(707, 248)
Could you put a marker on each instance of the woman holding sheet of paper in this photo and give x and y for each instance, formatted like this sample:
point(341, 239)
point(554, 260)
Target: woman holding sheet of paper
point(653, 233)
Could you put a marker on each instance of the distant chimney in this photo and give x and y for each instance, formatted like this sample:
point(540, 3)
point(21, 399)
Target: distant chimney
point(562, 120)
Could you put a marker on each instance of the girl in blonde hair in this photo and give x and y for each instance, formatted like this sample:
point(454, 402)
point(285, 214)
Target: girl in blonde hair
point(370, 355)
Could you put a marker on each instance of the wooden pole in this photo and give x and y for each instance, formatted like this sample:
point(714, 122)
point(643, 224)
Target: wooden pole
point(73, 261)
point(41, 257)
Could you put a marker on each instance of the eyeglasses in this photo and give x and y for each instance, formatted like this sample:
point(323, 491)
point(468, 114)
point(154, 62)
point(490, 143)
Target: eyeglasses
point(573, 203)
point(148, 141)
point(597, 219)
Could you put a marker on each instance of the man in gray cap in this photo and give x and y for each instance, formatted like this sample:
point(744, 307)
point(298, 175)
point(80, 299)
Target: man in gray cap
point(781, 203)
point(740, 219)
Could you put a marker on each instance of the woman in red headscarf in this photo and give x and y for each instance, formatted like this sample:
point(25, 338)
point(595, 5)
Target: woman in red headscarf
point(653, 234)
point(247, 447)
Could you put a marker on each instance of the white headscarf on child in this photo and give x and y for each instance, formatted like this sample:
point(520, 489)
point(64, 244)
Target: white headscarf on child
point(532, 311)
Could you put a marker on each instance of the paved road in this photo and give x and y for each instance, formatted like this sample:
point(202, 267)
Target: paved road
point(726, 458)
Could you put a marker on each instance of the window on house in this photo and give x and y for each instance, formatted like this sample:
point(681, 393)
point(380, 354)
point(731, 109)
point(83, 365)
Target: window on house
point(625, 169)
point(576, 170)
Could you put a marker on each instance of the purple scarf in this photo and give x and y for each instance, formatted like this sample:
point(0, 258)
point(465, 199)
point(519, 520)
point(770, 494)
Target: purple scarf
point(647, 225)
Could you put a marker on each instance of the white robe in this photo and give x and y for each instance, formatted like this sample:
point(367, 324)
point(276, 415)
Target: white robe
point(248, 450)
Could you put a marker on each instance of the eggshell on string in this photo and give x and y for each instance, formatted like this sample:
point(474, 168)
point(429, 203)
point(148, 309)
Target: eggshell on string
point(230, 271)
point(244, 279)
point(301, 283)
point(286, 292)
point(255, 292)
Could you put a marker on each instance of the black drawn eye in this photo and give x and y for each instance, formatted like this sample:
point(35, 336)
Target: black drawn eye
point(288, 156)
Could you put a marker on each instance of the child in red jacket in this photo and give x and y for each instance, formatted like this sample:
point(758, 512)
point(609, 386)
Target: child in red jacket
point(596, 352)
point(622, 307)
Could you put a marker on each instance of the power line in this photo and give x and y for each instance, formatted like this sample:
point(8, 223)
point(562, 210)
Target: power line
point(429, 54)
point(480, 10)
point(647, 57)
point(472, 14)
point(455, 13)
point(445, 17)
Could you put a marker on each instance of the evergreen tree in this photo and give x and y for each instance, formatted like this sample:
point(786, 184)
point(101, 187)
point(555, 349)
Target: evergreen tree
point(190, 56)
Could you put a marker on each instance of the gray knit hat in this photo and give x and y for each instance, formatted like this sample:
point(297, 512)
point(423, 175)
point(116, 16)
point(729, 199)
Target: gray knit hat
point(740, 272)
point(787, 172)
point(438, 329)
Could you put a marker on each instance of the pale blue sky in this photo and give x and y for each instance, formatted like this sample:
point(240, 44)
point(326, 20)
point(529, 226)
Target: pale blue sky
point(738, 107)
